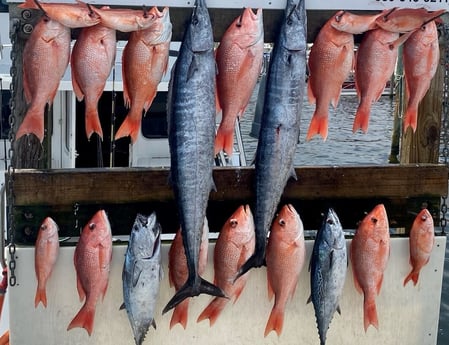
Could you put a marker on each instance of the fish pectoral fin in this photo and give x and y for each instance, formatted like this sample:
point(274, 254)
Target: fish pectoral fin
point(338, 309)
point(193, 68)
point(137, 270)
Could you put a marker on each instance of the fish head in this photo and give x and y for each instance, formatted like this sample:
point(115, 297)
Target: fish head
point(200, 29)
point(48, 228)
point(333, 232)
point(145, 236)
point(88, 15)
point(406, 19)
point(424, 222)
point(98, 229)
point(354, 23)
point(161, 29)
point(287, 220)
point(247, 29)
point(295, 24)
point(241, 222)
point(375, 224)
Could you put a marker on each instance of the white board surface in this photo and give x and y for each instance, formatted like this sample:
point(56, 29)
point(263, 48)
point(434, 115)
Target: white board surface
point(407, 315)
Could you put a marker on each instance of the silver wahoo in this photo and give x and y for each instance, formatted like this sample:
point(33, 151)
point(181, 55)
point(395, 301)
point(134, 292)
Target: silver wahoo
point(279, 130)
point(191, 133)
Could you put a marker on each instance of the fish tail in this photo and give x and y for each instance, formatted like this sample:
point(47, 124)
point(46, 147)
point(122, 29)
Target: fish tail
point(33, 123)
point(413, 276)
point(84, 319)
point(318, 125)
point(370, 313)
point(410, 119)
point(93, 124)
point(41, 296)
point(275, 321)
point(213, 310)
point(199, 286)
point(131, 127)
point(180, 314)
point(361, 120)
point(224, 140)
point(255, 260)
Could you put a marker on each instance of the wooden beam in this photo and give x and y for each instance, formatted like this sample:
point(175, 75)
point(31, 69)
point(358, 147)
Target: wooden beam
point(123, 185)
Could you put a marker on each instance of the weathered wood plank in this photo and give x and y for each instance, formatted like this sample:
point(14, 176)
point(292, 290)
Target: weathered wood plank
point(122, 185)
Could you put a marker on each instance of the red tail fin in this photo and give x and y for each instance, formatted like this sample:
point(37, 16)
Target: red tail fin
point(275, 322)
point(414, 276)
point(84, 319)
point(33, 123)
point(318, 125)
point(224, 140)
point(361, 120)
point(370, 313)
point(93, 124)
point(410, 118)
point(213, 310)
point(130, 126)
point(180, 314)
point(41, 296)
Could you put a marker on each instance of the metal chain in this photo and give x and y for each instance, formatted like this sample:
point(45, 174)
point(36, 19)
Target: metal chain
point(11, 156)
point(445, 121)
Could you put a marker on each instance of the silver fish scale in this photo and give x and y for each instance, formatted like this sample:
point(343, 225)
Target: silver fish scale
point(142, 272)
point(279, 130)
point(328, 268)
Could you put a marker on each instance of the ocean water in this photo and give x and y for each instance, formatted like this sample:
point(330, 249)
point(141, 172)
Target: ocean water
point(343, 147)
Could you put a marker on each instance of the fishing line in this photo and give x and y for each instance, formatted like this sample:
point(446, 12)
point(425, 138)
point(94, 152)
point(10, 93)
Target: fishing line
point(112, 145)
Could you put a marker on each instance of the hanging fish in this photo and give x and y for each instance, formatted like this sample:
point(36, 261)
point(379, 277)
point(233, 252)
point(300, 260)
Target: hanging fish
point(279, 130)
point(125, 19)
point(370, 250)
point(403, 20)
point(421, 241)
point(45, 256)
point(191, 132)
point(92, 59)
point(70, 15)
point(234, 245)
point(92, 259)
point(239, 62)
point(142, 273)
point(328, 266)
point(356, 23)
point(46, 55)
point(330, 61)
point(144, 62)
point(178, 272)
point(421, 55)
point(375, 63)
point(286, 253)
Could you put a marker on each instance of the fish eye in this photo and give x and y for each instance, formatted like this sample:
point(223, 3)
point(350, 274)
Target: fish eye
point(423, 218)
point(233, 222)
point(374, 220)
point(92, 226)
point(330, 221)
point(282, 222)
point(43, 227)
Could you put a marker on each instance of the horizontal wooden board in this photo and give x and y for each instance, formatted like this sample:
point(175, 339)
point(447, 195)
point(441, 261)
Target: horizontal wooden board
point(128, 185)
